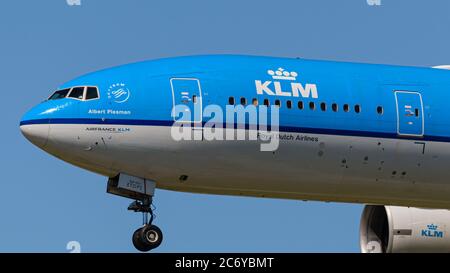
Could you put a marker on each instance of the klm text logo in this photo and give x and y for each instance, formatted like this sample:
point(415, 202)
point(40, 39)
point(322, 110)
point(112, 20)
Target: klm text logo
point(293, 88)
point(432, 231)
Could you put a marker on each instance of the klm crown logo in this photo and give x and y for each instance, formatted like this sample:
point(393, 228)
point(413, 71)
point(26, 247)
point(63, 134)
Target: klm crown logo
point(432, 230)
point(282, 74)
point(432, 227)
point(284, 84)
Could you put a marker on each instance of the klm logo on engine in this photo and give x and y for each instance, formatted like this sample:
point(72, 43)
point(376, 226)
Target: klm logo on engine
point(295, 89)
point(432, 231)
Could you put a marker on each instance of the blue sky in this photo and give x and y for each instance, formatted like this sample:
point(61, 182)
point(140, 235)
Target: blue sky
point(45, 203)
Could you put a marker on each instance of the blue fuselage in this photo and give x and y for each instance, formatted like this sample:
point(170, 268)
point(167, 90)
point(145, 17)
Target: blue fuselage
point(384, 126)
point(221, 77)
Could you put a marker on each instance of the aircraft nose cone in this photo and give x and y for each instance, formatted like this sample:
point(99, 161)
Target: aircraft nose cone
point(36, 133)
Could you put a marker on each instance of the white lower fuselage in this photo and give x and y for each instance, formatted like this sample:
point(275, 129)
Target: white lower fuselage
point(333, 168)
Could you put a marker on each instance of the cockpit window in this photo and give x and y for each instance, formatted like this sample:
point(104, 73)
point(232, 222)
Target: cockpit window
point(77, 93)
point(91, 93)
point(60, 94)
point(80, 93)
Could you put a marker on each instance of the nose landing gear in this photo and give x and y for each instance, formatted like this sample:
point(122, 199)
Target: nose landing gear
point(148, 236)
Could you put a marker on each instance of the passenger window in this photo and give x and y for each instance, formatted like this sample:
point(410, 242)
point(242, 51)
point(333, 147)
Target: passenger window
point(380, 110)
point(60, 94)
point(266, 102)
point(77, 93)
point(277, 103)
point(323, 106)
point(91, 93)
point(346, 108)
point(312, 105)
point(243, 101)
point(300, 105)
point(289, 104)
point(334, 107)
point(255, 102)
point(357, 108)
point(231, 100)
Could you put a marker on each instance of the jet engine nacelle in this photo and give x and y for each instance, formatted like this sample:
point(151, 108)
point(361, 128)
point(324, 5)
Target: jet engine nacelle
point(389, 229)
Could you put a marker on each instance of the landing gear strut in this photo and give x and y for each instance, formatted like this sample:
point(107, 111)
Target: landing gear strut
point(148, 236)
point(142, 190)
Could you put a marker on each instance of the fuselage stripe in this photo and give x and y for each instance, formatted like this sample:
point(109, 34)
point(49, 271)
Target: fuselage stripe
point(282, 129)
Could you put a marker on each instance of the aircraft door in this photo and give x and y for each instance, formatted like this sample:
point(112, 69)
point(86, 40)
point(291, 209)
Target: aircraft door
point(187, 98)
point(410, 121)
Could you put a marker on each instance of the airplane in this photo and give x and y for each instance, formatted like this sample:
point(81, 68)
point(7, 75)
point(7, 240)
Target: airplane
point(326, 131)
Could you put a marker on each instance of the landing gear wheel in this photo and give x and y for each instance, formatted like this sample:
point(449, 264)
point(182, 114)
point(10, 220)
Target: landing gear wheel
point(151, 236)
point(138, 243)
